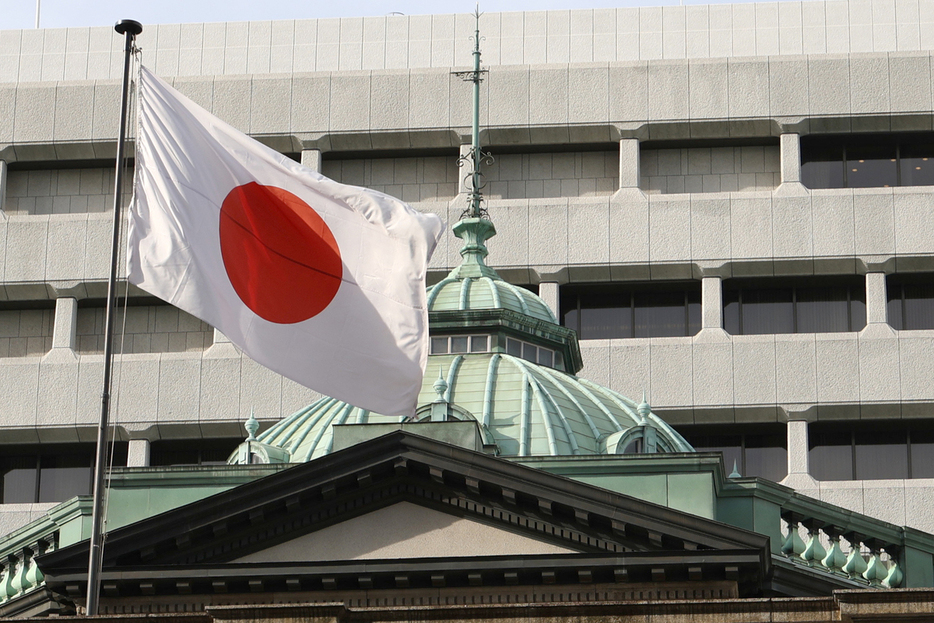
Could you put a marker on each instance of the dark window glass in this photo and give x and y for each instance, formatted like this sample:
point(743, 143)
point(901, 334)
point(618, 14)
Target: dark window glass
point(918, 306)
point(756, 451)
point(604, 313)
point(459, 344)
point(730, 445)
point(922, 453)
point(731, 311)
point(659, 314)
point(192, 451)
point(821, 165)
point(917, 164)
point(830, 455)
point(18, 476)
point(872, 450)
point(872, 165)
point(911, 301)
point(514, 348)
point(807, 305)
point(767, 310)
point(637, 310)
point(881, 454)
point(50, 473)
point(867, 160)
point(64, 476)
point(546, 357)
point(766, 456)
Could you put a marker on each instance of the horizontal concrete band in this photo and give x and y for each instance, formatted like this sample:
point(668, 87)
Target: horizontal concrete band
point(546, 103)
point(535, 37)
point(630, 236)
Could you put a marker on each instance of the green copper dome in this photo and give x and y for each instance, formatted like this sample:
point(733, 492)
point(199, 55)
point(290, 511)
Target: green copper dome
point(498, 357)
point(526, 409)
point(474, 285)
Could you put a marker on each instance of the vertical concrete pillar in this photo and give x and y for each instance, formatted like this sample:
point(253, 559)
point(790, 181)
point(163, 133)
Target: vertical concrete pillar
point(790, 155)
point(549, 292)
point(138, 453)
point(311, 158)
point(220, 338)
point(3, 179)
point(629, 163)
point(797, 447)
point(876, 303)
point(711, 303)
point(65, 329)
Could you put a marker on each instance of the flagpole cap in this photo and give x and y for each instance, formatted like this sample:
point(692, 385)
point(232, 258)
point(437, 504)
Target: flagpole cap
point(125, 26)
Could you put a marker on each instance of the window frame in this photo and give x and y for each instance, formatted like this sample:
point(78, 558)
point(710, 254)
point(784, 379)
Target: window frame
point(898, 281)
point(849, 142)
point(795, 285)
point(852, 430)
point(118, 450)
point(632, 289)
point(695, 431)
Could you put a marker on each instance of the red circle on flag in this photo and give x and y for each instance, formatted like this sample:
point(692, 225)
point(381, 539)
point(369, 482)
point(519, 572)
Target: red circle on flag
point(280, 255)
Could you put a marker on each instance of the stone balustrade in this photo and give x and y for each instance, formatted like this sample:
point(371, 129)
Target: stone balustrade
point(846, 550)
point(19, 573)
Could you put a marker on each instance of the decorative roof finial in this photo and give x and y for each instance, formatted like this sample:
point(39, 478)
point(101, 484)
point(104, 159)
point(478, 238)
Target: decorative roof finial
point(251, 426)
point(440, 386)
point(644, 410)
point(735, 473)
point(475, 157)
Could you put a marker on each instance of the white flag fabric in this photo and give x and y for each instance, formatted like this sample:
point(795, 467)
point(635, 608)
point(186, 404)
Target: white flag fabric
point(321, 282)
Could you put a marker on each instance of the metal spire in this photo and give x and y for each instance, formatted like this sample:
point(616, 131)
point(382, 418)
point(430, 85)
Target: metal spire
point(475, 157)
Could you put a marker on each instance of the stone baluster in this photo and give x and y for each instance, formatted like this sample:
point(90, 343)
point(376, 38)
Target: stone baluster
point(875, 571)
point(855, 563)
point(814, 552)
point(895, 577)
point(793, 545)
point(16, 581)
point(34, 575)
point(835, 558)
point(7, 571)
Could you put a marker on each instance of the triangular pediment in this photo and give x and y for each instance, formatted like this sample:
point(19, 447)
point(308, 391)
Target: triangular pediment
point(404, 510)
point(404, 530)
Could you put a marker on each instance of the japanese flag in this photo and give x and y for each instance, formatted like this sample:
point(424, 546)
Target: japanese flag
point(320, 282)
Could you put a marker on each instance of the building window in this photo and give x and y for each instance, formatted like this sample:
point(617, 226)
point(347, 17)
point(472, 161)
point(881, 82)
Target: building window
point(631, 310)
point(820, 305)
point(867, 160)
point(910, 301)
point(192, 451)
point(871, 451)
point(50, 473)
point(460, 344)
point(757, 451)
point(535, 354)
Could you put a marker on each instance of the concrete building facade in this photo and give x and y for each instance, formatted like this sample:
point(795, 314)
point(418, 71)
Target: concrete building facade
point(712, 153)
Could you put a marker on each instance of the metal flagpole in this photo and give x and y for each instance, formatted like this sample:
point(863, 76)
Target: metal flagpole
point(129, 29)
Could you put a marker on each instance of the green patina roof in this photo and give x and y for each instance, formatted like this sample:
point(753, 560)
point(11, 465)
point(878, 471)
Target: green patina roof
point(474, 285)
point(524, 408)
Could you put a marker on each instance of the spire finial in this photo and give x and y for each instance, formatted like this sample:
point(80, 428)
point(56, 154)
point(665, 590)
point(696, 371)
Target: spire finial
point(251, 426)
point(644, 409)
point(475, 157)
point(440, 386)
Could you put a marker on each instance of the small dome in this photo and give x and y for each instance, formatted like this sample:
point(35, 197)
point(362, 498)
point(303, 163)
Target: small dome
point(524, 408)
point(474, 285)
